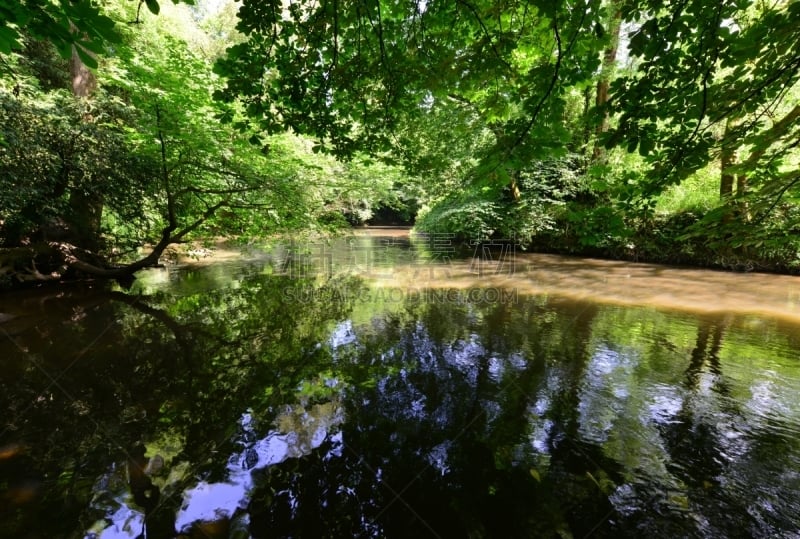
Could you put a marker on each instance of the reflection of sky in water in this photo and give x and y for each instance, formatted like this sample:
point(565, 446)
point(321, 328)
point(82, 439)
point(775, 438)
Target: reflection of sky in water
point(540, 434)
point(112, 495)
point(343, 334)
point(207, 502)
point(768, 400)
point(665, 404)
point(438, 457)
point(127, 523)
point(541, 426)
point(211, 501)
point(465, 354)
point(604, 393)
point(496, 369)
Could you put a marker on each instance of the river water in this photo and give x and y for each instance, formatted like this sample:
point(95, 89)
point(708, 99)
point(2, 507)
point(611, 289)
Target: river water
point(381, 386)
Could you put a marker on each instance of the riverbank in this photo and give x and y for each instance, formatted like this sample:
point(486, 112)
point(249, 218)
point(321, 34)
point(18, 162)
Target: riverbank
point(673, 240)
point(619, 282)
point(654, 246)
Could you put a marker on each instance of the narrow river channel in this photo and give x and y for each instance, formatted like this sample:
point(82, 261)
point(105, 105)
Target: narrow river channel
point(386, 386)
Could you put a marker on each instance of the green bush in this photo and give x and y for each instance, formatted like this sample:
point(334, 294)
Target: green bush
point(481, 212)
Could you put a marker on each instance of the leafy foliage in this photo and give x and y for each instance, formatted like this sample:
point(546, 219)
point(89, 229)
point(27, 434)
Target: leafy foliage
point(479, 93)
point(147, 149)
point(486, 115)
point(49, 152)
point(483, 212)
point(340, 73)
point(80, 24)
point(704, 71)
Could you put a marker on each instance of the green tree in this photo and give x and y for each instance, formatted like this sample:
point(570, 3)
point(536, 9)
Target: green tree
point(356, 75)
point(711, 80)
point(137, 157)
point(78, 26)
point(102, 161)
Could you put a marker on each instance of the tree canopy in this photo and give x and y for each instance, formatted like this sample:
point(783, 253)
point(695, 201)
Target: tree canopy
point(354, 74)
point(573, 126)
point(79, 25)
point(510, 84)
point(132, 154)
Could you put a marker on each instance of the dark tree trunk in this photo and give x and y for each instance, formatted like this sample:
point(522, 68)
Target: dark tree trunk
point(726, 178)
point(86, 211)
point(741, 185)
point(85, 203)
point(603, 84)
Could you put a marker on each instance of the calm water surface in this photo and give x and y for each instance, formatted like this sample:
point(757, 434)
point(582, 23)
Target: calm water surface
point(377, 387)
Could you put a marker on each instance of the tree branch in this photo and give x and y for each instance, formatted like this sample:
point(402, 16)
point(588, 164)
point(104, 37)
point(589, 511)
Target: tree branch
point(485, 31)
point(199, 221)
point(550, 88)
point(794, 176)
point(773, 134)
point(231, 191)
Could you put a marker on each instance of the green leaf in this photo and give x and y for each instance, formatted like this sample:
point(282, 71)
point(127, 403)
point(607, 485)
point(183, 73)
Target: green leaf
point(65, 50)
point(225, 117)
point(7, 41)
point(646, 146)
point(153, 6)
point(94, 46)
point(86, 58)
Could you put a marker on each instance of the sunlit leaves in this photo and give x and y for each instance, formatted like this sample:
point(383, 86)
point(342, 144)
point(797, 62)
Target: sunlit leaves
point(65, 24)
point(701, 65)
point(155, 139)
point(338, 74)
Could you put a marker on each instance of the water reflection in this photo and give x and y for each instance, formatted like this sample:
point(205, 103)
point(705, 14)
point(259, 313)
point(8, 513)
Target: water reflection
point(299, 432)
point(216, 403)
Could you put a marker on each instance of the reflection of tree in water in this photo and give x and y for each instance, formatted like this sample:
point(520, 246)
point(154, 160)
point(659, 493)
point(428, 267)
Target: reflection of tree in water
point(461, 419)
point(440, 446)
point(706, 352)
point(94, 375)
point(693, 439)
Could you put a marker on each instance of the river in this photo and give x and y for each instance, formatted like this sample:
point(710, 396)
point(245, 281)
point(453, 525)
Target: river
point(386, 386)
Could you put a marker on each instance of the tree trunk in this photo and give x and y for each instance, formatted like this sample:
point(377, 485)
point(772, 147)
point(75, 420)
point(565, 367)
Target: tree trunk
point(54, 261)
point(587, 126)
point(514, 186)
point(741, 185)
point(606, 73)
point(728, 158)
point(726, 178)
point(85, 203)
point(83, 80)
point(86, 211)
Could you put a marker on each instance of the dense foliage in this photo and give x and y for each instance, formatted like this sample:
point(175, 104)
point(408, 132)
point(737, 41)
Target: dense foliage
point(132, 155)
point(627, 128)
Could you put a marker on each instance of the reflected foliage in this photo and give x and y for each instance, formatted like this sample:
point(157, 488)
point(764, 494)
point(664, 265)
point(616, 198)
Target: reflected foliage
point(323, 413)
point(94, 373)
